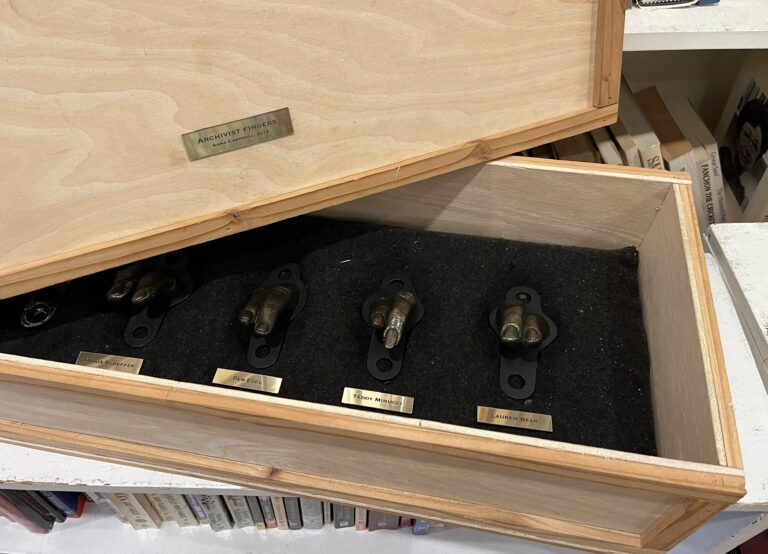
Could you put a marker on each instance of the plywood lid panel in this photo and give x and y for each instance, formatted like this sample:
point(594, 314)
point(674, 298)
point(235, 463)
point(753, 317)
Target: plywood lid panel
point(95, 96)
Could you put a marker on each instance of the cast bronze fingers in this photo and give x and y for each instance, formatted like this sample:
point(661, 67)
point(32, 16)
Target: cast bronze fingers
point(142, 282)
point(391, 314)
point(265, 307)
point(126, 280)
point(517, 326)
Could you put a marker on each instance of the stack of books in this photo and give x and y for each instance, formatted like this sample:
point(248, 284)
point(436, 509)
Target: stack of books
point(38, 511)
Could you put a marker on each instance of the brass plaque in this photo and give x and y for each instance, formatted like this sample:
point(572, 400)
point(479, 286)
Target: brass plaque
point(513, 418)
point(108, 361)
point(237, 134)
point(381, 400)
point(245, 380)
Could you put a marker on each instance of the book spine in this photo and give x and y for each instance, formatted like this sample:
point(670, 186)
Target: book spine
point(406, 521)
point(46, 506)
point(180, 510)
point(270, 520)
point(149, 509)
point(292, 512)
point(258, 517)
point(279, 508)
point(101, 499)
point(238, 508)
point(420, 527)
point(214, 509)
point(18, 513)
point(381, 520)
point(361, 519)
point(718, 184)
point(133, 512)
point(311, 513)
point(196, 508)
point(161, 506)
point(58, 503)
point(327, 514)
point(343, 516)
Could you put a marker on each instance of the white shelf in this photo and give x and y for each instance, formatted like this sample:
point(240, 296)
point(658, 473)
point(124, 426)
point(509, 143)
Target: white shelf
point(732, 24)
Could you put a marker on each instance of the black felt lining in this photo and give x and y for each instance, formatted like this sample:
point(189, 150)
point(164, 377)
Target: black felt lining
point(593, 380)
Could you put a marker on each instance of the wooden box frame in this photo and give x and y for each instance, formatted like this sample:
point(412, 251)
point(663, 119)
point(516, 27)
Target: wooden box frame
point(92, 121)
point(565, 494)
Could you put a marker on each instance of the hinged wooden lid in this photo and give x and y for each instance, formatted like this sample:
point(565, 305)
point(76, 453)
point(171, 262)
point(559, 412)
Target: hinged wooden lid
point(97, 95)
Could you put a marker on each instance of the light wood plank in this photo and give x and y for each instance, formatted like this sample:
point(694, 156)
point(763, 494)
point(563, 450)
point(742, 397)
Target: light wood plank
point(518, 198)
point(610, 42)
point(687, 378)
point(96, 94)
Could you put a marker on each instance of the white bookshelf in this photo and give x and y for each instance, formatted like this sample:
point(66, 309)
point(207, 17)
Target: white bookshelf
point(732, 24)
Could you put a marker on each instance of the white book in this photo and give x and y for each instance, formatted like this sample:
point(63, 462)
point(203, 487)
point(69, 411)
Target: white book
point(161, 506)
point(607, 148)
point(180, 511)
point(361, 519)
point(646, 140)
point(627, 147)
point(696, 132)
point(215, 511)
point(327, 515)
point(196, 508)
point(134, 511)
point(311, 513)
point(239, 510)
point(280, 515)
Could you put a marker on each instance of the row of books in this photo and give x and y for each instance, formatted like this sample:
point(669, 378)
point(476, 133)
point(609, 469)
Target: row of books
point(38, 511)
point(224, 512)
point(730, 181)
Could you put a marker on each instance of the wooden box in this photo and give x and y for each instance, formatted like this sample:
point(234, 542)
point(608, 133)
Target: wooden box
point(97, 95)
point(592, 498)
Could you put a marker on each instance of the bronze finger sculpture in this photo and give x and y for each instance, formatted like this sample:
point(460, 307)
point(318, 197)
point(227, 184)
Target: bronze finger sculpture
point(391, 312)
point(277, 300)
point(152, 287)
point(524, 331)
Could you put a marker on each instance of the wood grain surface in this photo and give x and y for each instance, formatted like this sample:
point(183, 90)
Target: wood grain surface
point(96, 96)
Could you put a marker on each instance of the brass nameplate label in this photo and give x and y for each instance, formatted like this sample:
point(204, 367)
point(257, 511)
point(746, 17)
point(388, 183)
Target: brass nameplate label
point(513, 418)
point(381, 400)
point(107, 361)
point(237, 134)
point(245, 380)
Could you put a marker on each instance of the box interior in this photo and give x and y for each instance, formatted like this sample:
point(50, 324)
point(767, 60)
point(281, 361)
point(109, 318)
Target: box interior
point(593, 379)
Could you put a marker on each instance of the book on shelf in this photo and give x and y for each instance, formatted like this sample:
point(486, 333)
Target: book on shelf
point(382, 520)
point(361, 519)
point(136, 509)
point(265, 503)
point(640, 130)
point(742, 133)
point(46, 506)
point(677, 151)
point(256, 513)
point(630, 155)
point(278, 506)
point(608, 149)
point(327, 513)
point(239, 510)
point(579, 148)
point(406, 521)
point(343, 516)
point(22, 512)
point(102, 499)
point(420, 527)
point(197, 508)
point(710, 174)
point(292, 512)
point(70, 503)
point(215, 512)
point(181, 513)
point(311, 513)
